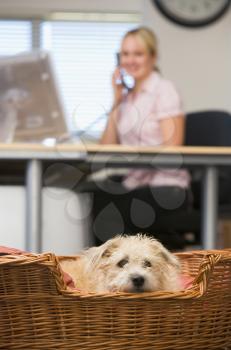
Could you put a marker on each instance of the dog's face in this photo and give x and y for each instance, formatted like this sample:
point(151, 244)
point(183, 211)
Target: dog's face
point(133, 264)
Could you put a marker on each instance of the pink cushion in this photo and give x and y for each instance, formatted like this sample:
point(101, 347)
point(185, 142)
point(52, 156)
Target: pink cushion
point(13, 251)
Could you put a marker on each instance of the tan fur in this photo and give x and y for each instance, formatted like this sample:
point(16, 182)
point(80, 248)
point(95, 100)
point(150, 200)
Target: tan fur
point(125, 263)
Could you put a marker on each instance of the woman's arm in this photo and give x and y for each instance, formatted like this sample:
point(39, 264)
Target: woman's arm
point(173, 130)
point(110, 135)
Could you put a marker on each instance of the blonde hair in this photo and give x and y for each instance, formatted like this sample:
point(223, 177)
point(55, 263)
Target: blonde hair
point(148, 38)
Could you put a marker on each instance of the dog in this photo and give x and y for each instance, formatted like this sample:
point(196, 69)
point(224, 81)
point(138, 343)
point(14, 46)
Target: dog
point(130, 264)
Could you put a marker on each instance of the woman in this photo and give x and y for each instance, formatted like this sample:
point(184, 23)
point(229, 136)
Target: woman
point(148, 115)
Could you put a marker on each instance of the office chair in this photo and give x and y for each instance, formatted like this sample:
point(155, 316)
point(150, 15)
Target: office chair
point(210, 128)
point(206, 128)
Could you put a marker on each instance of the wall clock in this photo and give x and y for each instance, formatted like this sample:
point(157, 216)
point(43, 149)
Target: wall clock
point(192, 13)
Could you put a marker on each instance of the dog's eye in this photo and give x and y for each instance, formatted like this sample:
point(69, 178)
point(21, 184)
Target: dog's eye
point(122, 263)
point(147, 263)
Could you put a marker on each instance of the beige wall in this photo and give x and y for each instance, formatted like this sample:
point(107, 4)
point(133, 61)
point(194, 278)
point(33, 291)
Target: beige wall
point(198, 60)
point(44, 6)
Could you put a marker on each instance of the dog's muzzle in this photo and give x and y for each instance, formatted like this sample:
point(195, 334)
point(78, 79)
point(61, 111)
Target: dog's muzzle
point(138, 281)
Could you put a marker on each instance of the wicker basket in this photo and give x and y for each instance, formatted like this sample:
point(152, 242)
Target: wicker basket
point(38, 311)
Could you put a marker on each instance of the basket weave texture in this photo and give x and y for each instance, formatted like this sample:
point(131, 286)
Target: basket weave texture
point(38, 311)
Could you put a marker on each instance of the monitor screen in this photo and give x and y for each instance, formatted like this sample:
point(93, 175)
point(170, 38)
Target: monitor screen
point(30, 106)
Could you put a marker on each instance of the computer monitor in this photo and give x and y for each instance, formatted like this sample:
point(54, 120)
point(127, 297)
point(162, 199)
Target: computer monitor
point(30, 105)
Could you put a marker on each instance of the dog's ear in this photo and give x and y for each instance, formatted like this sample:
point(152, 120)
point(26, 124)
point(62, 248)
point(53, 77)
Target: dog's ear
point(170, 258)
point(110, 248)
point(96, 254)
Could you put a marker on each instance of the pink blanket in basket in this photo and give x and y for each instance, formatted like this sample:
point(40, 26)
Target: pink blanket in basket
point(13, 251)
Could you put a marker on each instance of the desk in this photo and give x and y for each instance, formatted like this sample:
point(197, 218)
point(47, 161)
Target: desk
point(100, 156)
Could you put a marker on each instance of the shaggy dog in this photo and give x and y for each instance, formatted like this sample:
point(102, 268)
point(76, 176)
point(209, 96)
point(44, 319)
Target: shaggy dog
point(127, 264)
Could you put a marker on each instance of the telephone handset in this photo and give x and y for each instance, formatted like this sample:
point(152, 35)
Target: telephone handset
point(126, 80)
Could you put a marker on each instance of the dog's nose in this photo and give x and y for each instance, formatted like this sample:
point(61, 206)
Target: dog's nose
point(138, 281)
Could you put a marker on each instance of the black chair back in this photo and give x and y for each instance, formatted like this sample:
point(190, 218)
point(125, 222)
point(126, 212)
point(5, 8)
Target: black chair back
point(208, 128)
